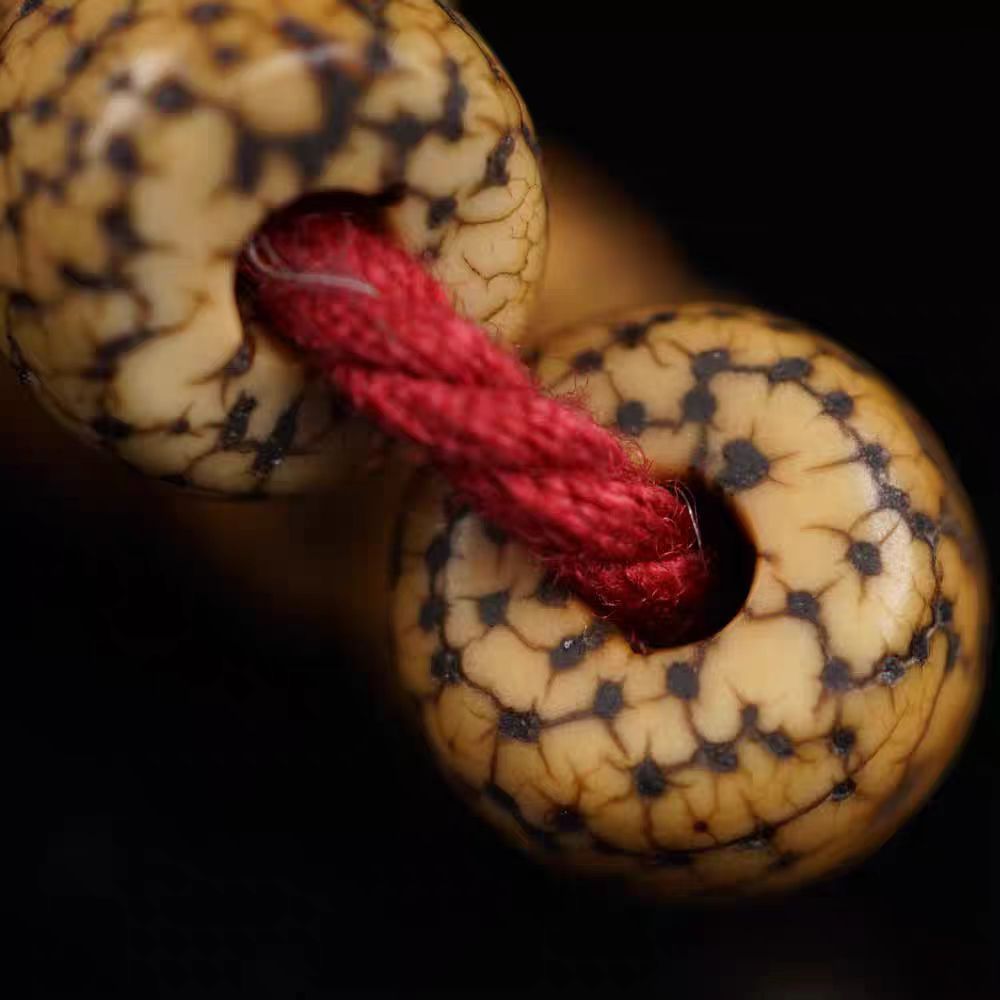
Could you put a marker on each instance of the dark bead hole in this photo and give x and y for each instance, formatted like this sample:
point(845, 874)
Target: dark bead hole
point(733, 563)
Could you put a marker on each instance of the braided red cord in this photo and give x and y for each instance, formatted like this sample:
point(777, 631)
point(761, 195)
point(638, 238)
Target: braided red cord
point(382, 330)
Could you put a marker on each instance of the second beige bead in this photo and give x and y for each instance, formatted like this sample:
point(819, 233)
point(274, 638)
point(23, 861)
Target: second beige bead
point(143, 144)
point(806, 730)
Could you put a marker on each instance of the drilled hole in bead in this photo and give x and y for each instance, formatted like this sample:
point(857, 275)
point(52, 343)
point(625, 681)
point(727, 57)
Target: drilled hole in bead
point(732, 562)
point(656, 606)
point(365, 211)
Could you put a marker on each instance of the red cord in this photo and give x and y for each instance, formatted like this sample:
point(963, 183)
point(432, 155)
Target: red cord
point(382, 330)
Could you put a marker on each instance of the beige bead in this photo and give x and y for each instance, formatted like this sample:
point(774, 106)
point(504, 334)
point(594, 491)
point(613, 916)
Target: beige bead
point(799, 737)
point(142, 144)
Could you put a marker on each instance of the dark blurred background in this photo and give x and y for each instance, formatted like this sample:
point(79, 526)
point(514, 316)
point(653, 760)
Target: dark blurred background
point(213, 805)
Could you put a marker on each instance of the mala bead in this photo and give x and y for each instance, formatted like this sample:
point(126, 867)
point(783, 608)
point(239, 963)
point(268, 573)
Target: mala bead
point(143, 144)
point(799, 736)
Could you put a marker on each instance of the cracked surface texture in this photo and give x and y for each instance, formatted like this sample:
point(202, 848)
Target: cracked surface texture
point(143, 141)
point(799, 737)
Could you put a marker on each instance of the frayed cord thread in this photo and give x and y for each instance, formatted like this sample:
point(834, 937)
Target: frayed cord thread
point(382, 330)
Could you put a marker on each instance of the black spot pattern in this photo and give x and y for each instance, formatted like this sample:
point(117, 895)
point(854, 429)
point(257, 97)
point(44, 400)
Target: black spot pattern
point(790, 370)
point(923, 526)
point(759, 840)
point(572, 651)
point(891, 671)
point(745, 467)
point(721, 757)
point(779, 744)
point(588, 361)
point(609, 700)
point(43, 110)
point(865, 558)
point(844, 790)
point(524, 727)
point(892, 498)
point(920, 647)
point(79, 58)
point(272, 450)
point(299, 32)
point(116, 222)
point(630, 335)
point(172, 97)
point(440, 210)
point(632, 419)
point(493, 609)
point(838, 404)
point(122, 154)
point(709, 363)
point(837, 676)
point(843, 741)
point(446, 666)
point(802, 604)
point(699, 405)
point(682, 681)
point(496, 163)
point(234, 429)
point(650, 781)
point(874, 456)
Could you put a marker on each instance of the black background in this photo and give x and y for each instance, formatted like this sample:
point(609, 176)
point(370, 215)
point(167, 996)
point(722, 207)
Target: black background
point(212, 805)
